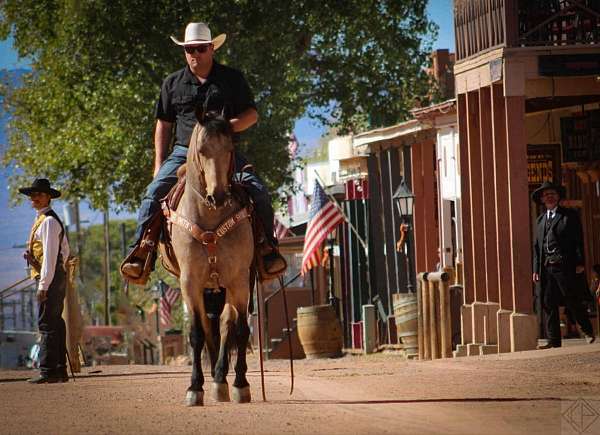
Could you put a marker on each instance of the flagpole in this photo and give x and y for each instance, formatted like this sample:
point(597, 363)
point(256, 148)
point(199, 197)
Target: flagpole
point(339, 207)
point(354, 230)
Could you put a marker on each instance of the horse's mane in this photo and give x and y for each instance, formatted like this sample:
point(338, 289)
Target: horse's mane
point(214, 123)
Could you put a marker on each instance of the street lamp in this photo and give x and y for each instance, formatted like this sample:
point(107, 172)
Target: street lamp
point(404, 199)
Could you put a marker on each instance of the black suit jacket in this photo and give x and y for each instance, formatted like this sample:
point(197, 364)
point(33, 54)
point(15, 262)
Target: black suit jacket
point(566, 227)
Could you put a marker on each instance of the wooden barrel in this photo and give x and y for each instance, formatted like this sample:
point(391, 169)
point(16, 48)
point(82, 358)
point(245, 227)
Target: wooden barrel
point(319, 331)
point(405, 314)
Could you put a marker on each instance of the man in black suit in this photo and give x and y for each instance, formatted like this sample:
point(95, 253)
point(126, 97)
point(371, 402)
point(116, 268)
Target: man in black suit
point(557, 258)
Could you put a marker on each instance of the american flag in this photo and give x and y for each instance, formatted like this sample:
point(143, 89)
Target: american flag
point(293, 146)
point(323, 218)
point(281, 230)
point(167, 300)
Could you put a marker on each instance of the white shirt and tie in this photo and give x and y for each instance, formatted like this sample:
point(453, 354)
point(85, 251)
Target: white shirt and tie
point(49, 234)
point(549, 217)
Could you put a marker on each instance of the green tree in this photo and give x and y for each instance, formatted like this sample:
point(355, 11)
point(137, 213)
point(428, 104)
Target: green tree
point(91, 285)
point(84, 115)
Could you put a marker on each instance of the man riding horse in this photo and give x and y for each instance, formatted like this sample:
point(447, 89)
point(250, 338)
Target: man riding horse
point(207, 84)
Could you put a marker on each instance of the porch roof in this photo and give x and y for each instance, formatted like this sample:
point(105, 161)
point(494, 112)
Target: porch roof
point(435, 110)
point(405, 133)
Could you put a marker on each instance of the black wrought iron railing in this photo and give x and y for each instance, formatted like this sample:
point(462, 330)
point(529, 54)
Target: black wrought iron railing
point(18, 306)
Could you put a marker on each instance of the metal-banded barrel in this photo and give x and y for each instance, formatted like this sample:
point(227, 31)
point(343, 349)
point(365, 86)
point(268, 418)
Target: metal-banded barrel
point(405, 314)
point(319, 331)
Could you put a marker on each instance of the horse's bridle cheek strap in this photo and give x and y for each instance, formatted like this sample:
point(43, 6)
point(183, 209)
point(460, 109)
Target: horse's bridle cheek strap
point(208, 238)
point(231, 166)
point(230, 173)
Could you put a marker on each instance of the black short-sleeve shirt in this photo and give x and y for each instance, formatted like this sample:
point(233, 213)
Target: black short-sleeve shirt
point(181, 92)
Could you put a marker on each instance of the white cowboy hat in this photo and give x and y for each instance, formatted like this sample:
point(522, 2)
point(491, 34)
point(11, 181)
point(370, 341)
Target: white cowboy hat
point(199, 33)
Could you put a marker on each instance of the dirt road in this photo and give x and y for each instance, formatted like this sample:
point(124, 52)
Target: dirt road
point(547, 392)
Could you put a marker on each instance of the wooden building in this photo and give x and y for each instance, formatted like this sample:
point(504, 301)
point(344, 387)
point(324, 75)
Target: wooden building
point(527, 82)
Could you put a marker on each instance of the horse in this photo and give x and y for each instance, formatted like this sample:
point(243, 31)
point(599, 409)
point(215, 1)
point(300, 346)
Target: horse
point(218, 258)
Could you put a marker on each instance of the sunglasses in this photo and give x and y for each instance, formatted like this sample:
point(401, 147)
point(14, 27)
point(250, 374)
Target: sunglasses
point(191, 49)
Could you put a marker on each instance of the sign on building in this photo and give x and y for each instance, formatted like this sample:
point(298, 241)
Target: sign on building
point(543, 164)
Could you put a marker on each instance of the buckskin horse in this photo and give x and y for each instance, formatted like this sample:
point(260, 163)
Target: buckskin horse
point(212, 239)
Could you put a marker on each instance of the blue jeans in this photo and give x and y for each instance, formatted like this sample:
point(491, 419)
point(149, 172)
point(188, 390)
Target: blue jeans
point(167, 178)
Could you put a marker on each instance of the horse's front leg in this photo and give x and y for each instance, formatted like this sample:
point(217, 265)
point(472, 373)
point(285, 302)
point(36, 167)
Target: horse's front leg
point(195, 393)
point(198, 329)
point(240, 298)
point(220, 390)
point(214, 301)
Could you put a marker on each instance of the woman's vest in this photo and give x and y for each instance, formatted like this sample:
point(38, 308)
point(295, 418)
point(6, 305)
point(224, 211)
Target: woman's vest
point(36, 248)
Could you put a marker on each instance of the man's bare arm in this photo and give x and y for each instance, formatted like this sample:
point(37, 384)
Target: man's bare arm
point(162, 139)
point(245, 120)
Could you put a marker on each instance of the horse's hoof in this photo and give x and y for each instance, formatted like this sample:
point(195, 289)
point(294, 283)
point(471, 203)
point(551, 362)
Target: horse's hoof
point(194, 398)
point(241, 395)
point(220, 392)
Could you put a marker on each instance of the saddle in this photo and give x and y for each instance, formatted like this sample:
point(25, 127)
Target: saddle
point(162, 223)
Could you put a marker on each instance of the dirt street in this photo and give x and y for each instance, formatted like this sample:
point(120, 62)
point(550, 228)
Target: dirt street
point(547, 392)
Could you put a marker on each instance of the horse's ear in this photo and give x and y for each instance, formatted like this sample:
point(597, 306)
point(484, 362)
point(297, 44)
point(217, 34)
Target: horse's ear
point(200, 115)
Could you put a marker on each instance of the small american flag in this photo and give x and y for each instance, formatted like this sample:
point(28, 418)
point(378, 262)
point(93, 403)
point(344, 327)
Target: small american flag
point(167, 300)
point(323, 218)
point(281, 230)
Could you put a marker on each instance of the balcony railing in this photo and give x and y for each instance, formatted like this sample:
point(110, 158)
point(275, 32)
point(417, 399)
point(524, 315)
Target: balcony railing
point(485, 24)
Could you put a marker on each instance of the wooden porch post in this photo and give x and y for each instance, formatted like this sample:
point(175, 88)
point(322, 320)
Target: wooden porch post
point(520, 238)
point(420, 239)
point(488, 203)
point(465, 202)
point(428, 199)
point(476, 193)
point(502, 198)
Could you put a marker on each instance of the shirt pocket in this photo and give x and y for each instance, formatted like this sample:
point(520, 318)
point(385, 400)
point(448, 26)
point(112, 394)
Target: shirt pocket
point(183, 103)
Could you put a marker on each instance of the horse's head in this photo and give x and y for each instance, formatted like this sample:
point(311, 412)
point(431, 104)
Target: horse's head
point(211, 156)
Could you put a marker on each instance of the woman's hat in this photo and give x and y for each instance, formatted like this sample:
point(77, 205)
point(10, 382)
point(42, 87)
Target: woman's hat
point(547, 185)
point(199, 33)
point(40, 185)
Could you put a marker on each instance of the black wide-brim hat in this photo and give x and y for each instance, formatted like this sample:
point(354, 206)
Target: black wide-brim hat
point(40, 185)
point(547, 185)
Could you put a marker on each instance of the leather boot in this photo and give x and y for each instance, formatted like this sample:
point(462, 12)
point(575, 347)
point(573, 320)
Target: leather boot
point(62, 375)
point(548, 345)
point(274, 262)
point(133, 269)
point(43, 379)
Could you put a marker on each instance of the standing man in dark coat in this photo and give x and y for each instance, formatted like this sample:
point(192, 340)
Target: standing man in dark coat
point(557, 258)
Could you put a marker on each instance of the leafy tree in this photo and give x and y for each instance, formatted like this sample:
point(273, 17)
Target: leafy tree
point(84, 115)
point(91, 285)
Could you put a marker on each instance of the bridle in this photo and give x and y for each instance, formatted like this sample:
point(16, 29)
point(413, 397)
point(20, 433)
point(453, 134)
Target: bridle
point(209, 238)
